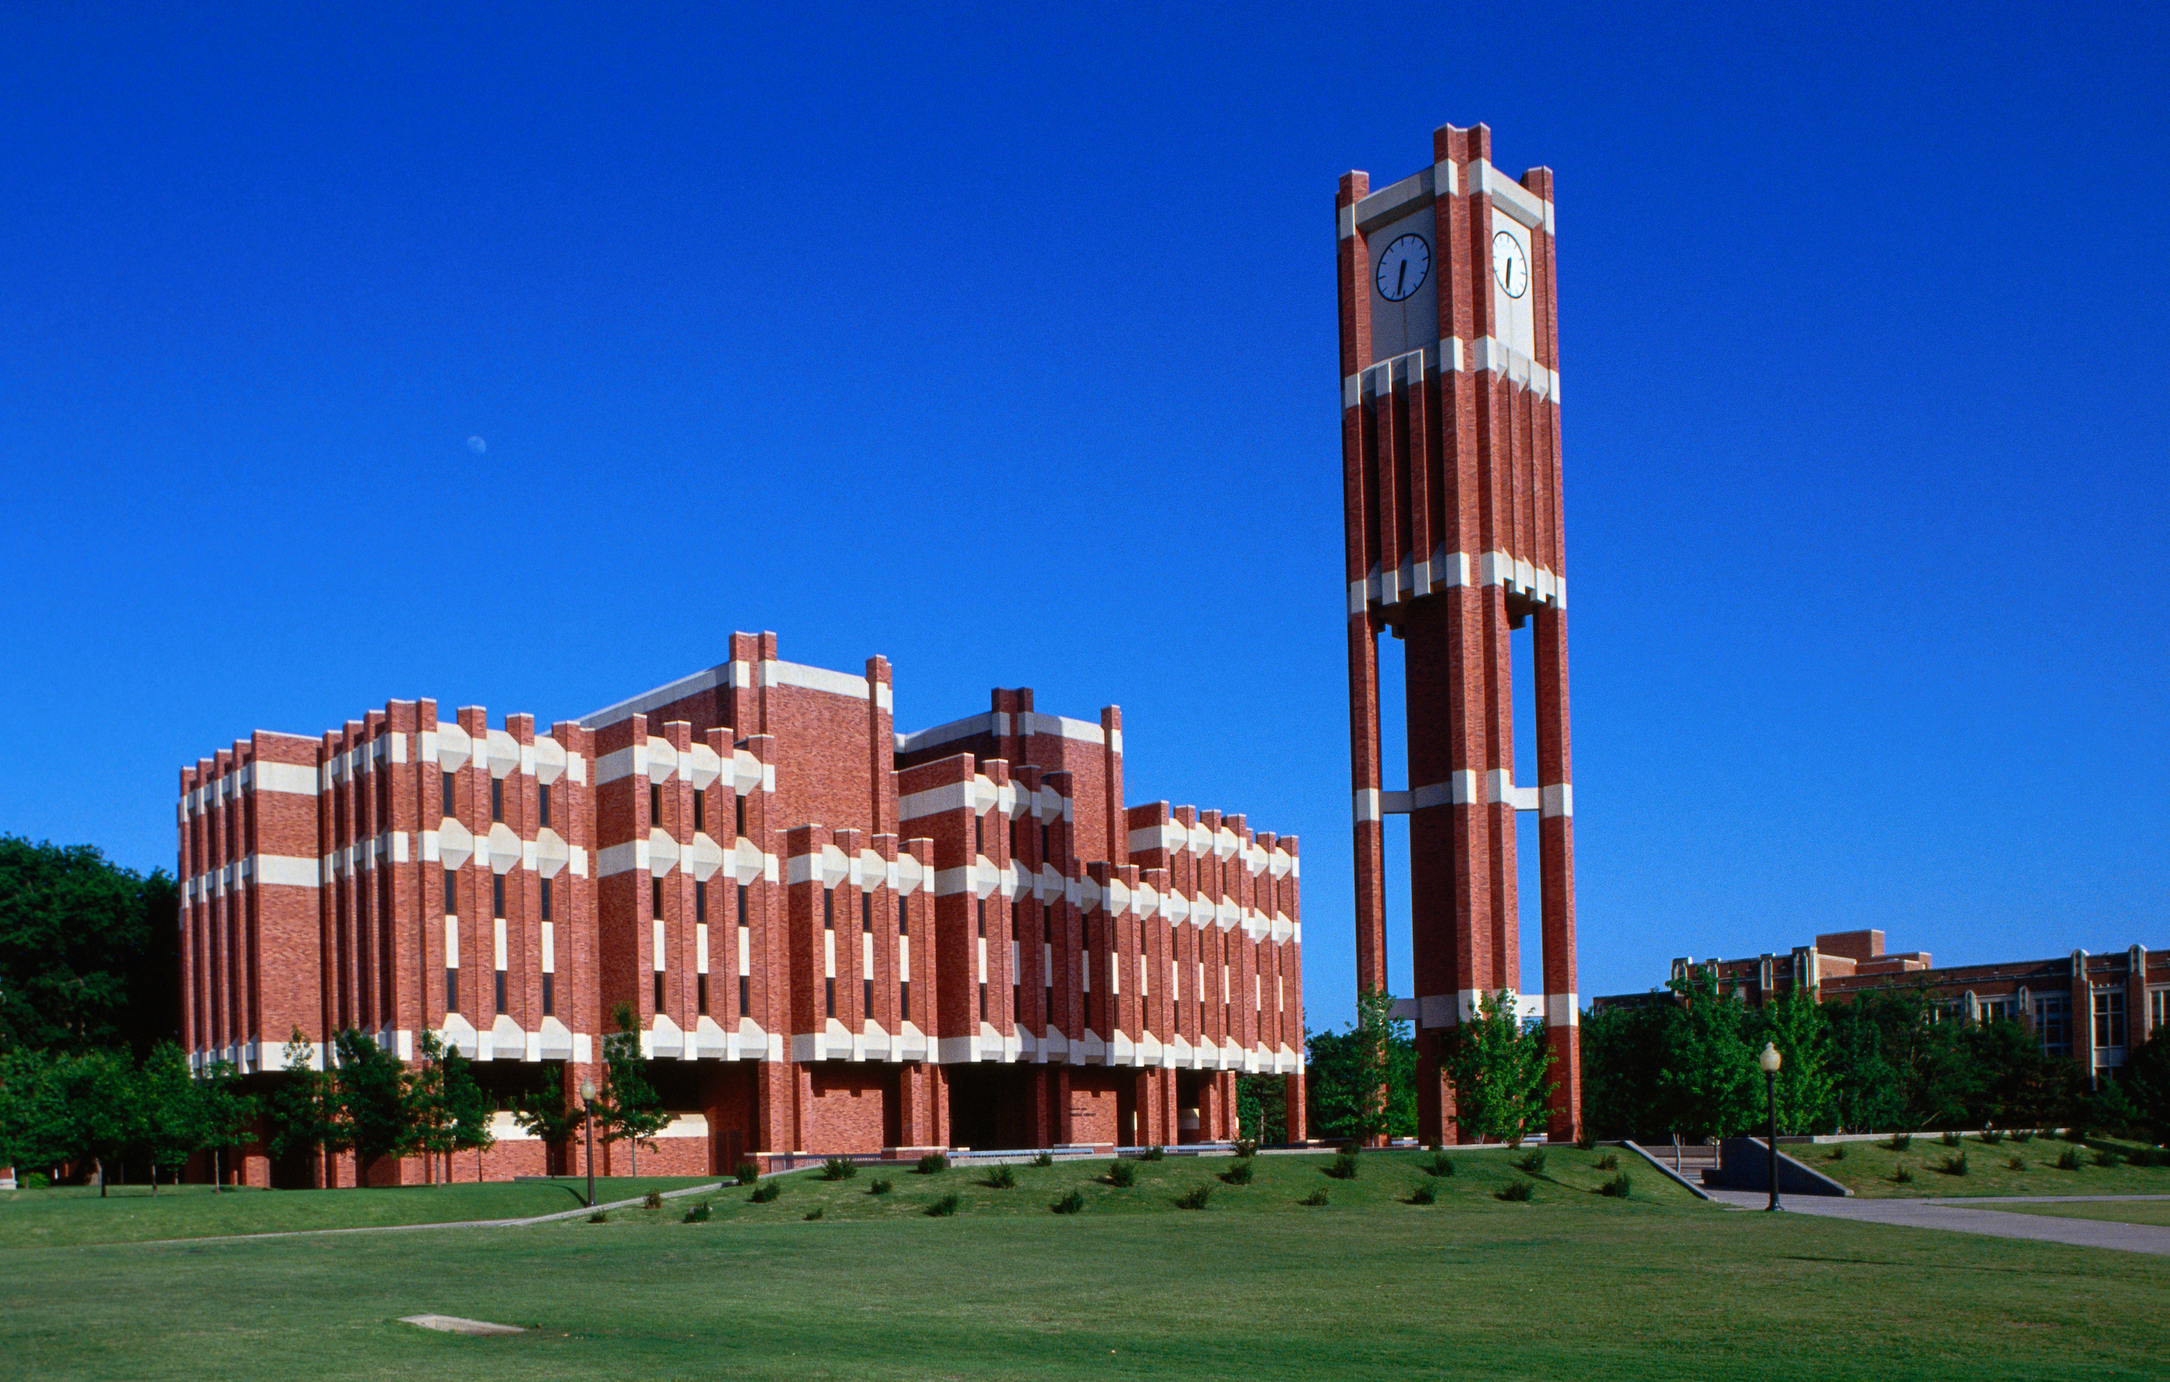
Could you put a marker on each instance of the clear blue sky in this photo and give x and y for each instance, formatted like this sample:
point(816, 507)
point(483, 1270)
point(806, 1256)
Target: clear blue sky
point(1005, 346)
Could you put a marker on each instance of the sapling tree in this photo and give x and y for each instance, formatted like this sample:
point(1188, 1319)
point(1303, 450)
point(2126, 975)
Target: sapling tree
point(628, 1109)
point(1498, 1070)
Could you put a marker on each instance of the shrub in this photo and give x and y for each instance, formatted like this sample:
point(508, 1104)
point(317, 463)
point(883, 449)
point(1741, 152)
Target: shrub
point(765, 1191)
point(999, 1178)
point(2017, 1163)
point(1425, 1193)
point(1618, 1187)
point(1440, 1165)
point(1238, 1174)
point(1070, 1203)
point(1518, 1190)
point(839, 1168)
point(931, 1163)
point(654, 1200)
point(1043, 1159)
point(1195, 1198)
point(1315, 1198)
point(2023, 1135)
point(1991, 1136)
point(747, 1173)
point(880, 1187)
point(1900, 1141)
point(1838, 1153)
point(1533, 1162)
point(812, 1214)
point(2107, 1156)
point(1342, 1167)
point(1246, 1146)
point(1155, 1153)
point(36, 1180)
point(598, 1217)
point(1586, 1143)
point(2069, 1159)
point(1123, 1174)
point(699, 1214)
point(1900, 1174)
point(946, 1206)
point(1954, 1165)
point(1951, 1139)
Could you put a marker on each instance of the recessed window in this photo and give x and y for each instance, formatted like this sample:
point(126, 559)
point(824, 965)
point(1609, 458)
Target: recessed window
point(497, 798)
point(655, 804)
point(500, 990)
point(2109, 1017)
point(866, 912)
point(904, 1001)
point(979, 834)
point(544, 899)
point(700, 812)
point(904, 918)
point(831, 990)
point(549, 996)
point(659, 990)
point(542, 805)
point(655, 897)
point(446, 780)
point(828, 912)
point(497, 894)
point(741, 808)
point(700, 904)
point(867, 1006)
point(452, 891)
point(452, 990)
point(700, 993)
point(743, 919)
point(745, 995)
point(983, 919)
point(983, 1002)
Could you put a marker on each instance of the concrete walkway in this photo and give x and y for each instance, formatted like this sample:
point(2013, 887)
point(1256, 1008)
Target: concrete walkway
point(1956, 1216)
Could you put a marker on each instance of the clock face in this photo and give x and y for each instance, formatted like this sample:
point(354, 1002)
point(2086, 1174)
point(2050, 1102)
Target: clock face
point(1403, 267)
point(1510, 266)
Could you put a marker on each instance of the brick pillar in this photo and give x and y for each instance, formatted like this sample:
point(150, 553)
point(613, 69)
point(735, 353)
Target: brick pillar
point(1556, 861)
point(1293, 1093)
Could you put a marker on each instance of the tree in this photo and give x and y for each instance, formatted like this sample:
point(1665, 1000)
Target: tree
point(547, 1112)
point(1498, 1070)
point(300, 1113)
point(1623, 1045)
point(102, 1111)
point(628, 1109)
point(373, 1110)
point(88, 956)
point(33, 1114)
point(1262, 1107)
point(1806, 1095)
point(1362, 1082)
point(2145, 1081)
point(226, 1116)
point(172, 1110)
point(1707, 1078)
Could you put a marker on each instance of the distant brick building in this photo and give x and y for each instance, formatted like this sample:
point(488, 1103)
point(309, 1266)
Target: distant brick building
point(2093, 1008)
point(835, 938)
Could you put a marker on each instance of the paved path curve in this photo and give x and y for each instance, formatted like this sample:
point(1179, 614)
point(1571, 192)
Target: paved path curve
point(1957, 1217)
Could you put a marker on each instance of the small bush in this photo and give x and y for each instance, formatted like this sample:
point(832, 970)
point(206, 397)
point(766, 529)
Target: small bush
point(999, 1178)
point(1246, 1146)
point(654, 1200)
point(1342, 1167)
point(1900, 1141)
point(1155, 1153)
point(1425, 1193)
point(1618, 1187)
point(1901, 1175)
point(931, 1163)
point(1315, 1199)
point(1440, 1165)
point(1195, 1198)
point(1533, 1162)
point(1123, 1174)
point(1951, 1139)
point(747, 1173)
point(1838, 1153)
point(1238, 1174)
point(1991, 1136)
point(1043, 1159)
point(812, 1214)
point(1608, 1162)
point(1954, 1165)
point(699, 1214)
point(2107, 1156)
point(1070, 1203)
point(839, 1168)
point(881, 1187)
point(1586, 1143)
point(1518, 1190)
point(598, 1217)
point(765, 1191)
point(36, 1180)
point(946, 1206)
point(2023, 1135)
point(2069, 1159)
point(2017, 1163)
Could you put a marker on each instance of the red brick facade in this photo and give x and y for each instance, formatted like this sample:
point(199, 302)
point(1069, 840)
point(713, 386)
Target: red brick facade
point(834, 938)
point(1451, 471)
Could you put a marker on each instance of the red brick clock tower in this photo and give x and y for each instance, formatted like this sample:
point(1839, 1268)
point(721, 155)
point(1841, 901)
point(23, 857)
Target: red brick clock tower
point(1450, 444)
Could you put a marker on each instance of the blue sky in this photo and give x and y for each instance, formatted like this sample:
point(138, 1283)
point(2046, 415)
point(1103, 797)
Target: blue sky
point(1003, 345)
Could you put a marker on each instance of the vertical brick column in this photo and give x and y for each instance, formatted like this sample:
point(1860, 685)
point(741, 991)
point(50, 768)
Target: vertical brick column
point(1556, 861)
point(1360, 501)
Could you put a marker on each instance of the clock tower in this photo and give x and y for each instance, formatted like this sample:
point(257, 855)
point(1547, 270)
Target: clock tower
point(1450, 447)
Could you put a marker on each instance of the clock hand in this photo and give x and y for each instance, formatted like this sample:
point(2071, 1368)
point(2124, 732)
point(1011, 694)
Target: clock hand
point(1402, 275)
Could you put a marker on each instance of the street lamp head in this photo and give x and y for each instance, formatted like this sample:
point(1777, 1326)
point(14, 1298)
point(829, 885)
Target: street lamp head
point(587, 1091)
point(1770, 1060)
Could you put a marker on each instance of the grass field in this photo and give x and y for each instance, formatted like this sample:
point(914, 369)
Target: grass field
point(1868, 1168)
point(75, 1215)
point(1568, 1285)
point(2156, 1212)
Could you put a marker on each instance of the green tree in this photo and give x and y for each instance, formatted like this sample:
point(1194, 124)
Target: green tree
point(1708, 1084)
point(1807, 1096)
point(172, 1109)
point(1262, 1107)
point(1867, 1093)
point(1623, 1045)
point(547, 1111)
point(103, 1112)
point(88, 958)
point(628, 1109)
point(1362, 1082)
point(373, 1109)
point(300, 1114)
point(2145, 1081)
point(1498, 1070)
point(226, 1116)
point(33, 1113)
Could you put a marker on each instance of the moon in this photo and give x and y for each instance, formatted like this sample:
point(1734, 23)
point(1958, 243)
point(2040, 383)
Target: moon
point(477, 445)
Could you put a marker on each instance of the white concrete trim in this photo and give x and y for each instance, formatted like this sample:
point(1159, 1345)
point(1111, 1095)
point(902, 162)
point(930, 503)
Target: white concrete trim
point(284, 871)
point(719, 675)
point(1558, 800)
point(1562, 1010)
point(294, 779)
point(1391, 203)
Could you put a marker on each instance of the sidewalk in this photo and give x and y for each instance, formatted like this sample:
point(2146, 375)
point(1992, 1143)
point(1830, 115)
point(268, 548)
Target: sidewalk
point(1956, 1217)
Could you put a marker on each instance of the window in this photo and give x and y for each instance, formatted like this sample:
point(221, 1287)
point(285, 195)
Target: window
point(700, 904)
point(904, 919)
point(866, 912)
point(700, 813)
point(904, 1000)
point(983, 919)
point(542, 805)
point(979, 834)
point(655, 804)
point(700, 993)
point(550, 997)
point(983, 1002)
point(497, 894)
point(659, 990)
point(452, 890)
point(739, 804)
point(2053, 1023)
point(500, 990)
point(655, 897)
point(745, 995)
point(867, 999)
point(544, 899)
point(497, 798)
point(2109, 1017)
point(828, 914)
point(446, 780)
point(831, 989)
point(2158, 1008)
point(1043, 840)
point(452, 990)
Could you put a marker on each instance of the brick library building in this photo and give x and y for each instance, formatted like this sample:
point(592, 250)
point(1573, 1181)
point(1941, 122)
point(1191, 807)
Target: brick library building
point(2093, 1008)
point(836, 939)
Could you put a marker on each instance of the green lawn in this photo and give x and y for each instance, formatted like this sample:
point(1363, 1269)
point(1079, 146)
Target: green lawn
point(75, 1215)
point(2156, 1212)
point(1255, 1286)
point(1868, 1167)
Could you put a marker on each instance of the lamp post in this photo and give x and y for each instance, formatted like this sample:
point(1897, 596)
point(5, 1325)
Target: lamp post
point(587, 1111)
point(1770, 1060)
